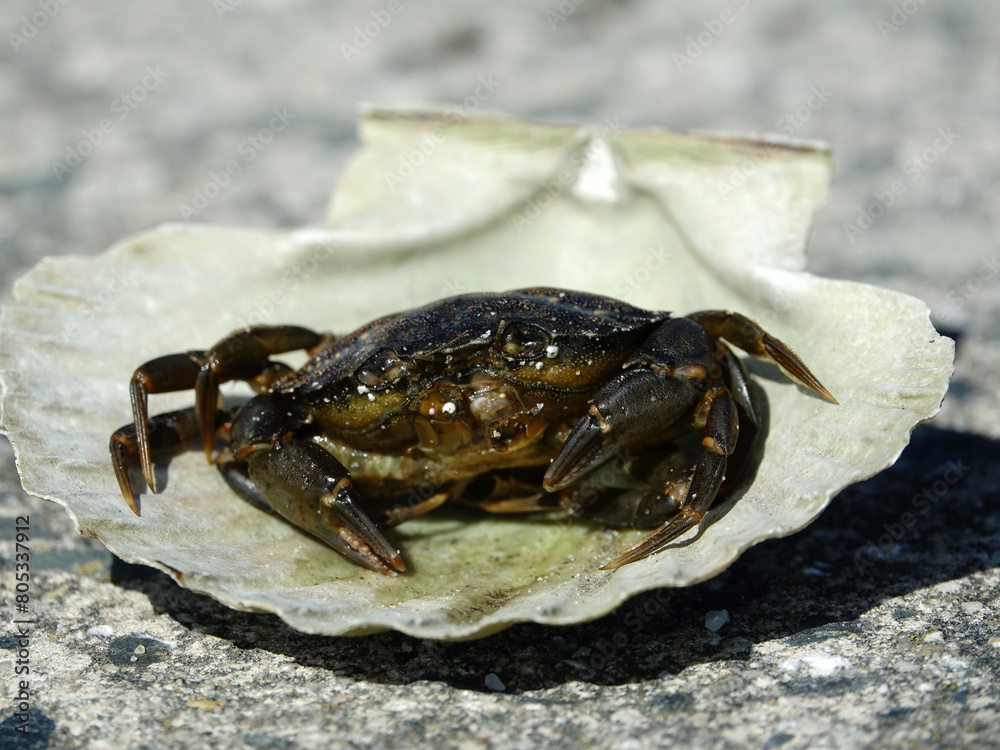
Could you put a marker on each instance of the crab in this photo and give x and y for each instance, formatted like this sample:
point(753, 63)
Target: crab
point(509, 401)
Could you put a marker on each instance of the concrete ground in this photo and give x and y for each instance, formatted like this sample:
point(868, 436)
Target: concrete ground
point(830, 640)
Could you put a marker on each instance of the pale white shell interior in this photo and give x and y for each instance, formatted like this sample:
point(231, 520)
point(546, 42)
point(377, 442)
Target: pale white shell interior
point(436, 204)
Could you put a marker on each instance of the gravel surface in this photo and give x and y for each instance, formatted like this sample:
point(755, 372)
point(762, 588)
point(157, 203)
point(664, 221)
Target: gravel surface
point(866, 629)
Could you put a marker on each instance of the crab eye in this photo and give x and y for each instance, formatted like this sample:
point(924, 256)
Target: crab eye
point(369, 378)
point(383, 367)
point(523, 340)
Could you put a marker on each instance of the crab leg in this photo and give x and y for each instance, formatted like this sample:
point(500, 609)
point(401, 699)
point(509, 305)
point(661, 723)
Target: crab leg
point(755, 341)
point(163, 432)
point(243, 355)
point(721, 430)
point(174, 372)
point(396, 516)
point(735, 378)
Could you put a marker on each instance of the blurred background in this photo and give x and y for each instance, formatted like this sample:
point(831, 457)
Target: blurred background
point(115, 114)
point(905, 92)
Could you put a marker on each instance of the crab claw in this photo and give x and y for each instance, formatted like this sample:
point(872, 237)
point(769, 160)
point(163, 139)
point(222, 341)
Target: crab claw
point(307, 486)
point(635, 407)
point(359, 534)
point(580, 451)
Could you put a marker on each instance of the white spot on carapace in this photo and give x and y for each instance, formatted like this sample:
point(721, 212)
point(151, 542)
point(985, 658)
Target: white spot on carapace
point(363, 389)
point(371, 396)
point(449, 407)
point(431, 411)
point(538, 365)
point(551, 351)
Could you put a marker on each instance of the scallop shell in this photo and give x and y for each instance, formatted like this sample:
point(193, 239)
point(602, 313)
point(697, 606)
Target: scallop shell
point(435, 204)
